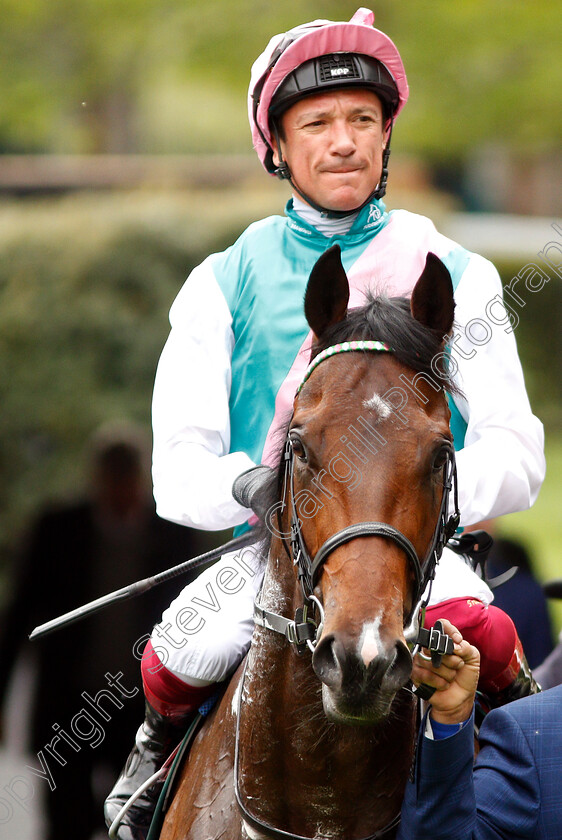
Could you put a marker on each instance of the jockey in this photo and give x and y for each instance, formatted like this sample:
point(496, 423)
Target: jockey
point(323, 99)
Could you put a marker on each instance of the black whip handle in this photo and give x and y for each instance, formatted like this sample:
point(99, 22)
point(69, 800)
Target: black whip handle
point(141, 586)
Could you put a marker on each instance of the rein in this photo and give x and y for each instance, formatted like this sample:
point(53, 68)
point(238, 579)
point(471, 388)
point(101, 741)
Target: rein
point(303, 629)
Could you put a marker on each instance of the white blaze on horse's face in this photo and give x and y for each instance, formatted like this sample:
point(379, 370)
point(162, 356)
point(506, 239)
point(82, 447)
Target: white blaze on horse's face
point(370, 644)
point(379, 406)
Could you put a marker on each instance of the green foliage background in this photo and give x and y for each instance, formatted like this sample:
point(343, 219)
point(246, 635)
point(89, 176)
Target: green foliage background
point(85, 288)
point(171, 75)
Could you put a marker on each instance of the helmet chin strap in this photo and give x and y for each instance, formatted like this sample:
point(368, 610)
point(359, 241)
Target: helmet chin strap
point(283, 172)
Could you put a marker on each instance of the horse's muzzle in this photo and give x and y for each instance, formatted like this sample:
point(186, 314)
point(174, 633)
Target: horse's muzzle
point(355, 691)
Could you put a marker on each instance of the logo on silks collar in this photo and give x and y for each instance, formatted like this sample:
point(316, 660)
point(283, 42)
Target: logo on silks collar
point(375, 214)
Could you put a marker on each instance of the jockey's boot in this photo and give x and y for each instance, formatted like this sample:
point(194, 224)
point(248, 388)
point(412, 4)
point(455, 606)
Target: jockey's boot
point(154, 742)
point(171, 705)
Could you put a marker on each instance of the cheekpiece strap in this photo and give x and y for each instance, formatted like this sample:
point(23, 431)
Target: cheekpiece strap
point(297, 632)
point(344, 347)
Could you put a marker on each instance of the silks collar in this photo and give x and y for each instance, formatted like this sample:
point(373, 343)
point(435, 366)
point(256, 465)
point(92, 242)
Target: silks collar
point(371, 219)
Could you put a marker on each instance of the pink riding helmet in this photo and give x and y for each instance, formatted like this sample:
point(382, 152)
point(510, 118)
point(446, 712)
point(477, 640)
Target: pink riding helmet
point(288, 51)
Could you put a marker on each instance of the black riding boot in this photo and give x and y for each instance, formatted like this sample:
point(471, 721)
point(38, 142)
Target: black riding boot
point(154, 742)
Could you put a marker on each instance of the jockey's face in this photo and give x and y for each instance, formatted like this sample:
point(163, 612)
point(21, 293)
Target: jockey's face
point(333, 144)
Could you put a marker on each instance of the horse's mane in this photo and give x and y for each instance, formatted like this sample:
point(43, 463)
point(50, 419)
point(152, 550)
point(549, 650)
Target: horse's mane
point(390, 320)
point(386, 319)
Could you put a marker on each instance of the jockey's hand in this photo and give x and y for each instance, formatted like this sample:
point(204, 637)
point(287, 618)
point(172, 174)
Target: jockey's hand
point(454, 681)
point(249, 489)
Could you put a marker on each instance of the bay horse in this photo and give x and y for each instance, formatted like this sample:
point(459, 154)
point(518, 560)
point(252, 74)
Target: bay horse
point(315, 734)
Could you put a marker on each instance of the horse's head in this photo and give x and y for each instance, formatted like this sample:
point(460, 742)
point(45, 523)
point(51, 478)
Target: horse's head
point(369, 441)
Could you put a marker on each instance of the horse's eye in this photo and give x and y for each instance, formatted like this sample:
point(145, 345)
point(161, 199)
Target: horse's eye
point(298, 447)
point(441, 456)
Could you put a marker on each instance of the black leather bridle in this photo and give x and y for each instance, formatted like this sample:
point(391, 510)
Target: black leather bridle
point(304, 629)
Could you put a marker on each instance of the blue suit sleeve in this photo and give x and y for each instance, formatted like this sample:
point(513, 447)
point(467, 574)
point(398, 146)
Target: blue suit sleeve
point(448, 799)
point(439, 801)
point(506, 781)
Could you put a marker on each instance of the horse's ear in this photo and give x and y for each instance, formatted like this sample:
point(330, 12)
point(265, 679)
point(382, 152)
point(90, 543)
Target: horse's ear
point(327, 292)
point(432, 302)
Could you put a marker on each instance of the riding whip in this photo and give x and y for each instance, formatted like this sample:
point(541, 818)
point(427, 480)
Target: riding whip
point(141, 586)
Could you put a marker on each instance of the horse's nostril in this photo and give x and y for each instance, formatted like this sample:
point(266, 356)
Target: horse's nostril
point(400, 669)
point(338, 667)
point(325, 661)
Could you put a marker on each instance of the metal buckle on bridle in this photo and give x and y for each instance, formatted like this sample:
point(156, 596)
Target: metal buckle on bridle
point(319, 627)
point(439, 645)
point(307, 568)
point(436, 641)
point(302, 630)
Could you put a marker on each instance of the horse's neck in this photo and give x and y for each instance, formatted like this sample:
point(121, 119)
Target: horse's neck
point(294, 746)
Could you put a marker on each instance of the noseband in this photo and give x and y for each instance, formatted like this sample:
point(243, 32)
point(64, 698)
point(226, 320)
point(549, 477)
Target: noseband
point(304, 629)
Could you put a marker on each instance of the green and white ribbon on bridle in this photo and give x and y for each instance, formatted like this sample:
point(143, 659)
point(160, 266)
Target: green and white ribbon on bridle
point(343, 347)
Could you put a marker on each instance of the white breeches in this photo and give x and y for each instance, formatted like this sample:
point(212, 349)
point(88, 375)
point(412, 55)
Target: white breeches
point(207, 629)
